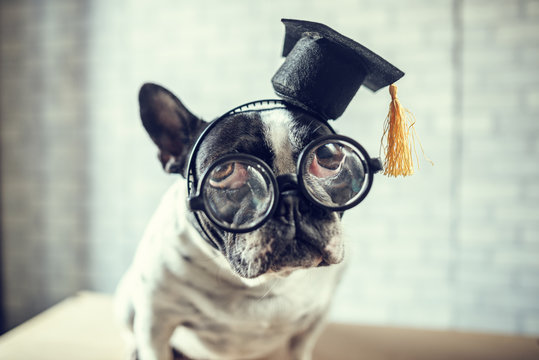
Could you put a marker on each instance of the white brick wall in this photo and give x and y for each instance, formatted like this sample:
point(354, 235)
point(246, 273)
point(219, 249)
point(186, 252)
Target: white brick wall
point(455, 246)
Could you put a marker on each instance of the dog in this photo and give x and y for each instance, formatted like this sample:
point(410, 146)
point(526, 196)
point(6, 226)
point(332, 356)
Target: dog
point(196, 291)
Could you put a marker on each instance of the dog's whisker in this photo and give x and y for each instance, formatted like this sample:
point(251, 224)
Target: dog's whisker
point(271, 287)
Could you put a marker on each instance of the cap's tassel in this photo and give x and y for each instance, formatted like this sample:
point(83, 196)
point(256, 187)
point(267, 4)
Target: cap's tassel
point(399, 138)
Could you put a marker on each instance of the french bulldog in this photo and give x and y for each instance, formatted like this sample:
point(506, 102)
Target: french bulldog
point(214, 294)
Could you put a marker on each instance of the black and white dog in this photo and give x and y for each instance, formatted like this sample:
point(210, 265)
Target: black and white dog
point(197, 291)
point(242, 257)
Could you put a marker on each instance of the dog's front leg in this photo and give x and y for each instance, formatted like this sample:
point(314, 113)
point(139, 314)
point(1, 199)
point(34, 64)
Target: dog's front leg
point(153, 327)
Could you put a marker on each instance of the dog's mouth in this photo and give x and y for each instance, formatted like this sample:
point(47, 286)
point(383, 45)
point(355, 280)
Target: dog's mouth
point(306, 256)
point(284, 271)
point(323, 263)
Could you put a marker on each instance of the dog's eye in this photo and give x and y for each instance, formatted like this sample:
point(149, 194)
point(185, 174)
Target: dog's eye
point(231, 175)
point(327, 160)
point(221, 172)
point(329, 156)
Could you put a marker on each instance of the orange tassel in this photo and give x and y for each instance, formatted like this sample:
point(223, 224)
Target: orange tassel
point(399, 139)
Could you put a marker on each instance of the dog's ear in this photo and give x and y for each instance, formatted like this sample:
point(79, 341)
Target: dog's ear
point(171, 126)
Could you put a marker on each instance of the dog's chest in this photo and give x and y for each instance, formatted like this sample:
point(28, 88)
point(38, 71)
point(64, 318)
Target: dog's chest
point(255, 321)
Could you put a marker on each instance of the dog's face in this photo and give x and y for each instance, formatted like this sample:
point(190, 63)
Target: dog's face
point(299, 234)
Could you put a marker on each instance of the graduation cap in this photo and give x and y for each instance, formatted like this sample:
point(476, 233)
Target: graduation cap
point(322, 72)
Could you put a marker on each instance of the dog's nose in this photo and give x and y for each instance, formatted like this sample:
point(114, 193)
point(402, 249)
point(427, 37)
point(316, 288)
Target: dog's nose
point(292, 205)
point(288, 199)
point(288, 206)
point(287, 182)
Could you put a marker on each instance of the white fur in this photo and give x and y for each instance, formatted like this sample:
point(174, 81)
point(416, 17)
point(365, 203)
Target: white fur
point(258, 316)
point(277, 128)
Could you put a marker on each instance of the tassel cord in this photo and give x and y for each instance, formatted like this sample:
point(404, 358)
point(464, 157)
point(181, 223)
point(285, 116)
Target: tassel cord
point(399, 139)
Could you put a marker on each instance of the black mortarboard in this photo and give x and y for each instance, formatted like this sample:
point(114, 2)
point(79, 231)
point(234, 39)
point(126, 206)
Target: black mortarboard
point(323, 69)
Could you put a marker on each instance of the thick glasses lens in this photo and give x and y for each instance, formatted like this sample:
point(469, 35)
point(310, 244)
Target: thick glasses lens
point(238, 193)
point(334, 173)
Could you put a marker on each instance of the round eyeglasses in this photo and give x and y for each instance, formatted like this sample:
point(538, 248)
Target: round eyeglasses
point(240, 192)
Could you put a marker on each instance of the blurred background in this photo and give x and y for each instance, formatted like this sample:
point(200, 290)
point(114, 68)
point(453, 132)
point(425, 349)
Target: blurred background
point(456, 246)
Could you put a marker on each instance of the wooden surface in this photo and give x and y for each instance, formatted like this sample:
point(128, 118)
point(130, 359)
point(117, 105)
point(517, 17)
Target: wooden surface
point(82, 328)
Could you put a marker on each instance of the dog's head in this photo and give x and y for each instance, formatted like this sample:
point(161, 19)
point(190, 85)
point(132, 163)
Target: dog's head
point(298, 234)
